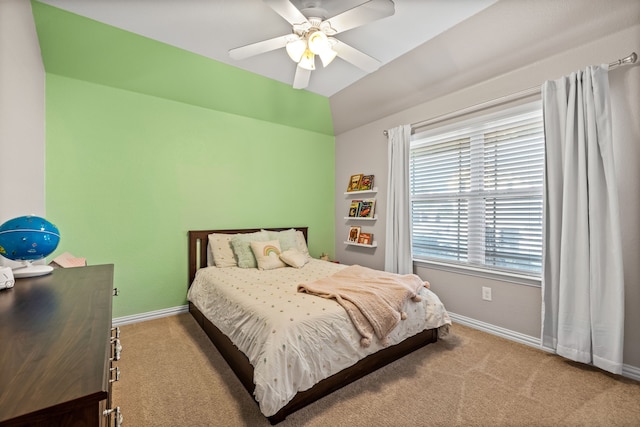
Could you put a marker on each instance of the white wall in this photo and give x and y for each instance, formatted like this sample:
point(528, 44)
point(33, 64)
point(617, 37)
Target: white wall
point(22, 109)
point(514, 307)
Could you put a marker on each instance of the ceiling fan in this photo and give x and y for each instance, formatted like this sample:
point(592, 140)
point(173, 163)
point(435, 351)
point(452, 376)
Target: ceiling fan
point(312, 35)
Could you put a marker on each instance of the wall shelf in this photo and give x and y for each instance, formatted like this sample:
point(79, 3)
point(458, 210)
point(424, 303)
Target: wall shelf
point(372, 191)
point(357, 218)
point(362, 200)
point(373, 245)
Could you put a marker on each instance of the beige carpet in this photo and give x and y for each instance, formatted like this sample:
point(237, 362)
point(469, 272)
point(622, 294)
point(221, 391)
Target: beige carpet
point(173, 376)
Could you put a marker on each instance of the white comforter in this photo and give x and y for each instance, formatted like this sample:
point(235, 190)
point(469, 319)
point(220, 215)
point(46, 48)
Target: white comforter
point(293, 340)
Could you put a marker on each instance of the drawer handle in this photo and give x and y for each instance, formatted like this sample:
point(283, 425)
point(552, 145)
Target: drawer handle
point(117, 371)
point(117, 349)
point(117, 416)
point(116, 292)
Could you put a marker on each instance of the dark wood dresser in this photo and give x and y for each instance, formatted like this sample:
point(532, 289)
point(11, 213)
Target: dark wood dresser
point(57, 349)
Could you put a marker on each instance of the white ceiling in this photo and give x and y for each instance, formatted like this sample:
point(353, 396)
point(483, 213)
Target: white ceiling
point(212, 27)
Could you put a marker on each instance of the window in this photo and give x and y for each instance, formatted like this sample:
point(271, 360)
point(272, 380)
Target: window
point(476, 192)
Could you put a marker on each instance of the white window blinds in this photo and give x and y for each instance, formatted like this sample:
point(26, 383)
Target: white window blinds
point(476, 192)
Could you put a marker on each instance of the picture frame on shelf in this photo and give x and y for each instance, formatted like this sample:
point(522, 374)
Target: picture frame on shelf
point(354, 182)
point(367, 208)
point(354, 234)
point(366, 183)
point(365, 238)
point(354, 208)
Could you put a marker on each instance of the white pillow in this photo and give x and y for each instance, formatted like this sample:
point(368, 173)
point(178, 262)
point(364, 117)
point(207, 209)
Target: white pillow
point(267, 254)
point(221, 250)
point(302, 244)
point(210, 262)
point(294, 258)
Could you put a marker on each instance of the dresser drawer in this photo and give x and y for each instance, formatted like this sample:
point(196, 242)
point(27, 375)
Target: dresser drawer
point(56, 371)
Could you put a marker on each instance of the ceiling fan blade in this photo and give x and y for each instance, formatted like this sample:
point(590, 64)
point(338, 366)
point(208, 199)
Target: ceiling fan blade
point(361, 15)
point(261, 47)
point(288, 11)
point(357, 58)
point(301, 79)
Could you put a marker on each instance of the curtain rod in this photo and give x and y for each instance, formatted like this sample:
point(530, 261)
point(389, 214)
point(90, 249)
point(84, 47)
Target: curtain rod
point(630, 59)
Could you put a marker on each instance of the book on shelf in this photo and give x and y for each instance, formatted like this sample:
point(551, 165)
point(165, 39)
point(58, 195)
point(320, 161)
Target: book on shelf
point(354, 234)
point(367, 208)
point(354, 182)
point(366, 183)
point(365, 238)
point(354, 208)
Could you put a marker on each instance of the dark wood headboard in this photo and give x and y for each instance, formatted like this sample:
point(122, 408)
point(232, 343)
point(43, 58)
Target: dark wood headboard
point(198, 240)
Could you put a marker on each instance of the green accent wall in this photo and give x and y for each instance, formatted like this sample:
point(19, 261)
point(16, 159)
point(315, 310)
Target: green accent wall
point(84, 49)
point(130, 171)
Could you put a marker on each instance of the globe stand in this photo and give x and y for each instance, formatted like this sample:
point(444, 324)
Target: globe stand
point(30, 270)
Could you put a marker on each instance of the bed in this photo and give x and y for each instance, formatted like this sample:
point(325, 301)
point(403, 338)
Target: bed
point(296, 325)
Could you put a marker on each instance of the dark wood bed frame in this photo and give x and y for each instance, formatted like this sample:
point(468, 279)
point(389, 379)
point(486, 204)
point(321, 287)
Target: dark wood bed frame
point(239, 363)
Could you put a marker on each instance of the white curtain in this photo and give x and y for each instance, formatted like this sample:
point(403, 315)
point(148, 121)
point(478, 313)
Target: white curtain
point(397, 256)
point(583, 284)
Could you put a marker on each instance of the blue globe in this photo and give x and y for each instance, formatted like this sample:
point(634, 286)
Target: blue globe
point(28, 238)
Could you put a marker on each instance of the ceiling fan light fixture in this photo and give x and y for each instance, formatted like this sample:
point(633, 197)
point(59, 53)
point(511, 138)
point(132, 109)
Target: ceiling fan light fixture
point(312, 35)
point(327, 56)
point(308, 61)
point(295, 49)
point(325, 27)
point(318, 42)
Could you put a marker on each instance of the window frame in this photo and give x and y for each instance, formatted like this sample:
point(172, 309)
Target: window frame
point(479, 123)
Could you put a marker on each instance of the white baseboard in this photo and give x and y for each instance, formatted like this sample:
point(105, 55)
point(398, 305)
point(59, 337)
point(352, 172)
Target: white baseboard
point(150, 315)
point(497, 330)
point(628, 371)
point(632, 372)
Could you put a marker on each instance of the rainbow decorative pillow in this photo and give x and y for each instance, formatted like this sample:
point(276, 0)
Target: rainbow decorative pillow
point(241, 244)
point(290, 239)
point(267, 254)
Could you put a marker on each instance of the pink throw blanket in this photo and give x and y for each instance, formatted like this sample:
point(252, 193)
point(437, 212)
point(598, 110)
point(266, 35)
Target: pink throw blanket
point(373, 299)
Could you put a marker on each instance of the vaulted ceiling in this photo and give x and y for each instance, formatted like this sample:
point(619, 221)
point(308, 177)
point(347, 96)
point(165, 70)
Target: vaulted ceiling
point(212, 27)
point(428, 48)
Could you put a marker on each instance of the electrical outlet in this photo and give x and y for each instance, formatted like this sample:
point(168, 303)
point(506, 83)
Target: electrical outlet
point(486, 293)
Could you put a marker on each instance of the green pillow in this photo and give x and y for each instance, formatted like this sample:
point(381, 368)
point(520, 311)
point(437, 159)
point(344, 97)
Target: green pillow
point(241, 244)
point(288, 238)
